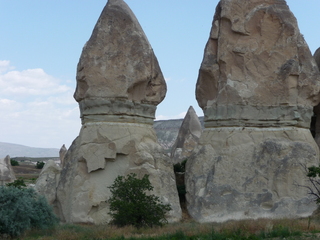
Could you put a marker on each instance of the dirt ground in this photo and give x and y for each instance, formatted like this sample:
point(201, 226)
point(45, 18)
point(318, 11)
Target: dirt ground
point(27, 171)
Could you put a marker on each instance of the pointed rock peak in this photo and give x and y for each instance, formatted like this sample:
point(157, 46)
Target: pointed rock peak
point(62, 153)
point(191, 123)
point(188, 137)
point(118, 62)
point(191, 111)
point(317, 57)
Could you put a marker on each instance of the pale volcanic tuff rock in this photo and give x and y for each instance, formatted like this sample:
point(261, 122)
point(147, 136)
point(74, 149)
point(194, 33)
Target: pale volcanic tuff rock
point(257, 86)
point(119, 85)
point(6, 172)
point(62, 152)
point(316, 109)
point(48, 181)
point(188, 137)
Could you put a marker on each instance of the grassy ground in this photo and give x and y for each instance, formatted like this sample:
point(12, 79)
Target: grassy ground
point(308, 229)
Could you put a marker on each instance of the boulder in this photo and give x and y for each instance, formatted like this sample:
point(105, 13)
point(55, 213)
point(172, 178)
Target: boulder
point(6, 172)
point(188, 137)
point(48, 180)
point(119, 85)
point(257, 86)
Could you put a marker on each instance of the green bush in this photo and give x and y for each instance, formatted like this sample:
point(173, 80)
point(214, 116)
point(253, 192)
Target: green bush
point(19, 183)
point(39, 165)
point(180, 167)
point(22, 209)
point(313, 173)
point(130, 205)
point(14, 162)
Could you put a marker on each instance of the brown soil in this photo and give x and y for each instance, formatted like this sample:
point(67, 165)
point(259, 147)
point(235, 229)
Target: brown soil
point(26, 171)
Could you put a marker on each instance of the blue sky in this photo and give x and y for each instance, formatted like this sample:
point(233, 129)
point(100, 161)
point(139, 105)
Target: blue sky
point(41, 42)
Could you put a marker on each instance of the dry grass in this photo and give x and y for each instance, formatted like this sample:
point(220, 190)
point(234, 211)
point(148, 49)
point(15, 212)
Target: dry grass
point(189, 228)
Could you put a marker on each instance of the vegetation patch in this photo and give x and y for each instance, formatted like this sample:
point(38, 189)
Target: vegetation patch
point(131, 205)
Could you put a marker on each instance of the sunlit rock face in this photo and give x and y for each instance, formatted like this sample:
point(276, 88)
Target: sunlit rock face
point(6, 172)
point(257, 86)
point(119, 85)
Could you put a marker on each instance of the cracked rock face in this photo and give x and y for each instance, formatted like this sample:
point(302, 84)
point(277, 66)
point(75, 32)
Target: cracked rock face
point(257, 86)
point(119, 85)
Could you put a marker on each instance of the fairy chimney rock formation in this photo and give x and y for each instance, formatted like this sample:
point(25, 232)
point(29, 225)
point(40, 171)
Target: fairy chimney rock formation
point(257, 86)
point(119, 85)
point(6, 172)
point(188, 137)
point(316, 109)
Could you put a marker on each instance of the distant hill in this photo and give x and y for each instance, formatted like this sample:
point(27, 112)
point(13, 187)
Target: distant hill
point(16, 150)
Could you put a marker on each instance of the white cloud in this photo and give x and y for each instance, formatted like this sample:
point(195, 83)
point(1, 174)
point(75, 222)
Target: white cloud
point(178, 116)
point(5, 66)
point(31, 82)
point(36, 109)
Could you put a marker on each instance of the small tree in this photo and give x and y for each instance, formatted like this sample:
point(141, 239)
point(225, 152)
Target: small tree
point(130, 205)
point(39, 165)
point(14, 162)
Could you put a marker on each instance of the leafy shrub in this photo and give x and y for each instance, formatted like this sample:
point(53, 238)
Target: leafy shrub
point(39, 165)
point(22, 209)
point(14, 162)
point(19, 183)
point(130, 205)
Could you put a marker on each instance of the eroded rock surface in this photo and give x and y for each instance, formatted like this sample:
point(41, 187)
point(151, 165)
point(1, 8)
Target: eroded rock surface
point(188, 137)
point(316, 109)
point(257, 85)
point(6, 172)
point(119, 85)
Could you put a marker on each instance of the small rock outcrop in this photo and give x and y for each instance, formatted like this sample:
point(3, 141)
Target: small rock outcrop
point(257, 85)
point(119, 85)
point(62, 152)
point(188, 137)
point(48, 180)
point(6, 172)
